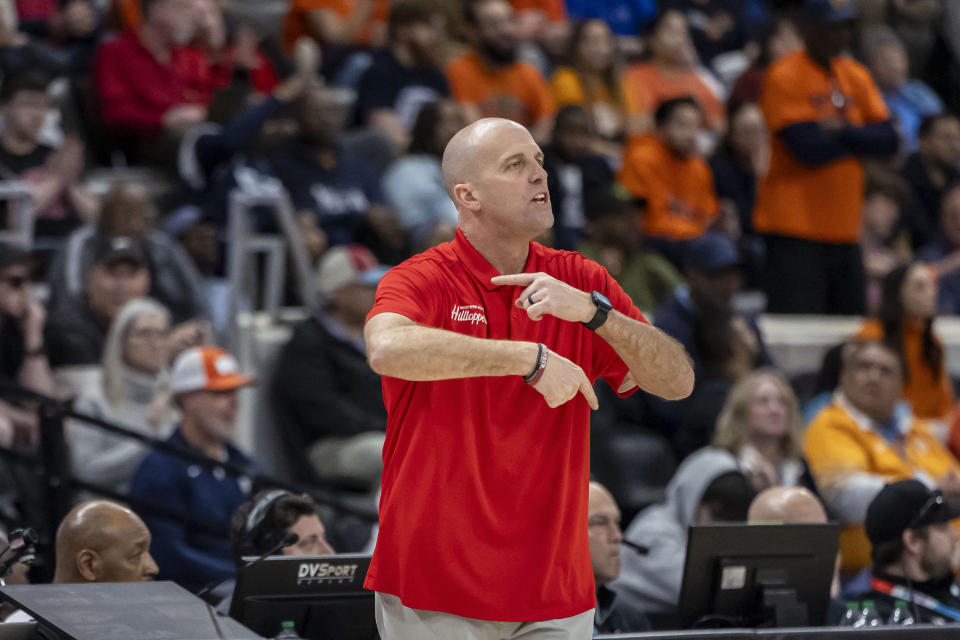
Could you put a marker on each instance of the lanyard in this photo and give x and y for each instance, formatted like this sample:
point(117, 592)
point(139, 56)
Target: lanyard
point(902, 593)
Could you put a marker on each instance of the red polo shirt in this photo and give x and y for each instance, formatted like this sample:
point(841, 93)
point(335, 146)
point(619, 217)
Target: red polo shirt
point(483, 512)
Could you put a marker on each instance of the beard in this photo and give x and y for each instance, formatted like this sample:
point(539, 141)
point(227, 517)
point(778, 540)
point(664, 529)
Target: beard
point(935, 566)
point(499, 54)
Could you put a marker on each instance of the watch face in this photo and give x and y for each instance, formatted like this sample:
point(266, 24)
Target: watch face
point(601, 300)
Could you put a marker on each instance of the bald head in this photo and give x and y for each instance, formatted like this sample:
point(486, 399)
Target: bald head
point(471, 148)
point(493, 171)
point(786, 505)
point(102, 541)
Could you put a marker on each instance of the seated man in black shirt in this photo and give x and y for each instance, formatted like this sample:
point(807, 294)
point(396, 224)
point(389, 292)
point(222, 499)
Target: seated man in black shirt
point(61, 203)
point(326, 397)
point(405, 75)
point(913, 549)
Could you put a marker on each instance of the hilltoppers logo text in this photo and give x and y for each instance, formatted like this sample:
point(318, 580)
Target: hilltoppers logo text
point(472, 313)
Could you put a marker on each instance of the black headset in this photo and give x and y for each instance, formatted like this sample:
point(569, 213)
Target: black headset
point(252, 543)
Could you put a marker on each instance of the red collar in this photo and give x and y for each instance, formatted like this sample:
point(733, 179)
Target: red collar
point(481, 269)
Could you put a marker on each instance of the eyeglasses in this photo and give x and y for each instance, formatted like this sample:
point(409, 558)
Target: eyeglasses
point(16, 282)
point(935, 500)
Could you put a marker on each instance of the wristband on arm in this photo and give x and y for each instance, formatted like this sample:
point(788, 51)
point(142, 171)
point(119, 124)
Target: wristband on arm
point(534, 376)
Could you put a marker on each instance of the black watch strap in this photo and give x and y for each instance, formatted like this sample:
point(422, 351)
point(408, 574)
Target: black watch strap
point(603, 306)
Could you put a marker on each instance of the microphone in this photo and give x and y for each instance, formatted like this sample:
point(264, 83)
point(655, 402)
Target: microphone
point(639, 548)
point(288, 541)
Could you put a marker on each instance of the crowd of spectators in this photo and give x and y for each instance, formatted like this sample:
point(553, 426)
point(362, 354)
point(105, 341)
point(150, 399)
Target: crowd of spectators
point(806, 150)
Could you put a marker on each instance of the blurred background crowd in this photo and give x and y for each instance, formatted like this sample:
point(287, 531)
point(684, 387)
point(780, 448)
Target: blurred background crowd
point(185, 179)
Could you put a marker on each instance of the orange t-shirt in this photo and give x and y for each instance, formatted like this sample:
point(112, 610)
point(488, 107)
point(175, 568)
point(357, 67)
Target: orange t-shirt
point(681, 202)
point(555, 10)
point(517, 92)
point(295, 24)
point(929, 392)
point(646, 86)
point(814, 203)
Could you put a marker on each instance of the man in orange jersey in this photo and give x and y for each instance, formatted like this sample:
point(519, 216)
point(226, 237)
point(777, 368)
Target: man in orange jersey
point(866, 438)
point(666, 169)
point(826, 113)
point(490, 80)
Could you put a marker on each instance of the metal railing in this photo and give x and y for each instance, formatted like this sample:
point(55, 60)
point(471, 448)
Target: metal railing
point(244, 245)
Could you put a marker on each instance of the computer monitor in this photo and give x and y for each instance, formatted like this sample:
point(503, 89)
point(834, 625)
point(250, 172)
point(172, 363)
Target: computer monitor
point(758, 575)
point(322, 595)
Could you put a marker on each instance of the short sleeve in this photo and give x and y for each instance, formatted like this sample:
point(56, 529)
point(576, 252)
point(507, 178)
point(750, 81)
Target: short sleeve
point(606, 363)
point(785, 101)
point(407, 290)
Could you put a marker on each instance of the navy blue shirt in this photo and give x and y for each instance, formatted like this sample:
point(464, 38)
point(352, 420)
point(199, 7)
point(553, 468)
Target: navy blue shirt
point(339, 197)
point(387, 84)
point(192, 547)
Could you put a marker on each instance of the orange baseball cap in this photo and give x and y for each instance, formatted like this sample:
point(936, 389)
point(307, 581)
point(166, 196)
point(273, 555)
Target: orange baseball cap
point(206, 368)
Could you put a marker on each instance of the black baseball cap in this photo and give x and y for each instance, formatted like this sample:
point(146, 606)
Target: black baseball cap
point(112, 250)
point(907, 504)
point(13, 255)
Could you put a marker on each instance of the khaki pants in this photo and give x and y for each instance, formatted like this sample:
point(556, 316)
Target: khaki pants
point(398, 622)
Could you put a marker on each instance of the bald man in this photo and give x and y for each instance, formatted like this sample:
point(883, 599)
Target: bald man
point(489, 346)
point(795, 505)
point(786, 505)
point(102, 541)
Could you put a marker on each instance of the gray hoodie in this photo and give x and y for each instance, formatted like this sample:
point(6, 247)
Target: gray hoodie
point(651, 583)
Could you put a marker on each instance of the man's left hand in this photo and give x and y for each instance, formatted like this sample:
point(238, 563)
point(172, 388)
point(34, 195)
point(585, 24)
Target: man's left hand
point(545, 295)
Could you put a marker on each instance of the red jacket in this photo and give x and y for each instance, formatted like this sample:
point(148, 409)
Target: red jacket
point(135, 90)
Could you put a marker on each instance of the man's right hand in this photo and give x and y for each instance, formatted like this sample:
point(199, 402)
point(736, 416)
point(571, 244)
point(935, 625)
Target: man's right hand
point(561, 381)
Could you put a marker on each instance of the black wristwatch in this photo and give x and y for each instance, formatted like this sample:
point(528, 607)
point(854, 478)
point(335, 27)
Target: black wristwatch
point(603, 308)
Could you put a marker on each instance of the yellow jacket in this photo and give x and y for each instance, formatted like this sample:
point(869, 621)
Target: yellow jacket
point(851, 462)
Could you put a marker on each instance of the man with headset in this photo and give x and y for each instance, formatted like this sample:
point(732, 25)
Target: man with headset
point(914, 543)
point(260, 525)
